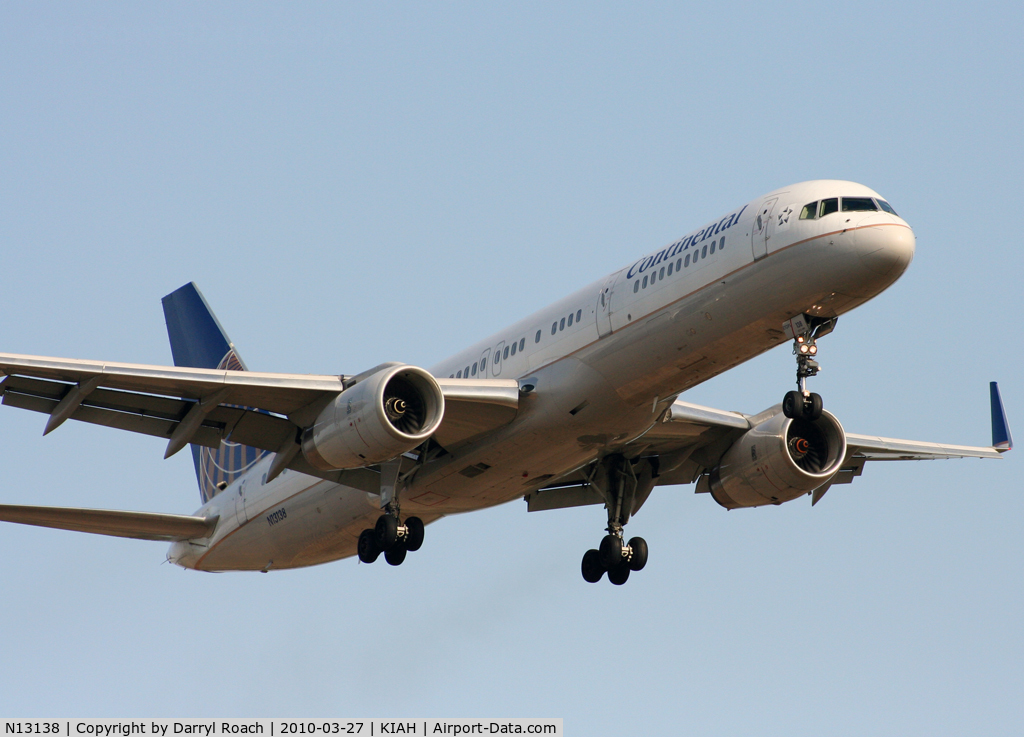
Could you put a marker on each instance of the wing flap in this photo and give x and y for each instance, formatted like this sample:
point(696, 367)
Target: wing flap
point(152, 415)
point(137, 423)
point(138, 525)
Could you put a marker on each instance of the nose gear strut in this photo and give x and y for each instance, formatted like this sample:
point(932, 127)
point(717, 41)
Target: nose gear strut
point(805, 331)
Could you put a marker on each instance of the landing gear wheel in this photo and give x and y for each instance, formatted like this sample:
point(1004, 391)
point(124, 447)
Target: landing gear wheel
point(395, 556)
point(413, 534)
point(387, 532)
point(593, 568)
point(368, 550)
point(638, 559)
point(793, 405)
point(611, 551)
point(813, 407)
point(619, 574)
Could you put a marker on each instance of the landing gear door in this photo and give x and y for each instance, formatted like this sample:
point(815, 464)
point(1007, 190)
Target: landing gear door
point(604, 308)
point(760, 231)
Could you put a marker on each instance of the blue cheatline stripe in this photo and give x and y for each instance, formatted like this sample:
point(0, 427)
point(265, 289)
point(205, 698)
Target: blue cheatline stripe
point(1000, 427)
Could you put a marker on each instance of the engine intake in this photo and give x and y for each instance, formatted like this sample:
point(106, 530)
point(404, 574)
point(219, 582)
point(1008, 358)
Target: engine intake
point(778, 461)
point(386, 414)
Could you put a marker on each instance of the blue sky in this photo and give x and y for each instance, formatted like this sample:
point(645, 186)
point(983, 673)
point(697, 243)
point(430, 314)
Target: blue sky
point(351, 184)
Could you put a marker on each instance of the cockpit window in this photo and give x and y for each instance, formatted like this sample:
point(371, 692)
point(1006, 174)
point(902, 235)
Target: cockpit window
point(829, 206)
point(810, 212)
point(858, 204)
point(887, 207)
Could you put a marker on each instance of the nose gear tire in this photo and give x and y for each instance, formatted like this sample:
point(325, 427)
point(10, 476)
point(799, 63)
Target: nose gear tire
point(813, 407)
point(793, 405)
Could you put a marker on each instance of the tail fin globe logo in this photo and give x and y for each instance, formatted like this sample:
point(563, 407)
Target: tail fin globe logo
point(219, 468)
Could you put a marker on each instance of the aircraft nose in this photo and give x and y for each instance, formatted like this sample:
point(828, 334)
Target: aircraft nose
point(885, 249)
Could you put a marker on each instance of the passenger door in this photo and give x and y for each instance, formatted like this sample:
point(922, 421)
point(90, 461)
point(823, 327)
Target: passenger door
point(240, 513)
point(760, 231)
point(483, 363)
point(496, 365)
point(604, 308)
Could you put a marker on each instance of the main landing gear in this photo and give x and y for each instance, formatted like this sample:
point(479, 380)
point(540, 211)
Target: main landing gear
point(802, 404)
point(391, 538)
point(625, 485)
point(389, 535)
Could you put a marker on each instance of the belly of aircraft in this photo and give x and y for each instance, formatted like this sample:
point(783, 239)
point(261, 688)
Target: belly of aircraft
point(584, 405)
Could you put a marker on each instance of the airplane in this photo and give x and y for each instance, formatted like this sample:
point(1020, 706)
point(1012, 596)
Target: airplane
point(577, 404)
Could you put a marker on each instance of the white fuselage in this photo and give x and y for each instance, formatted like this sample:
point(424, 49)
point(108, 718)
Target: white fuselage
point(605, 363)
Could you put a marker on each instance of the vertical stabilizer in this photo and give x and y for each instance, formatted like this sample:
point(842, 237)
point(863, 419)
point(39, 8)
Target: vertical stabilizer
point(199, 341)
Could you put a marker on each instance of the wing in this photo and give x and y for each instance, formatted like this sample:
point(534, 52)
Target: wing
point(207, 406)
point(863, 448)
point(713, 430)
point(691, 439)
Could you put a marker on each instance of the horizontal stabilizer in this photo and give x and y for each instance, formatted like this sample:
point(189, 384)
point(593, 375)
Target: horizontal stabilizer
point(139, 525)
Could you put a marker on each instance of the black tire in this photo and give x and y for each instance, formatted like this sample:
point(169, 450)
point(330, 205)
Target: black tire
point(368, 550)
point(395, 556)
point(793, 405)
point(814, 407)
point(611, 551)
point(638, 559)
point(387, 532)
point(593, 568)
point(414, 534)
point(619, 574)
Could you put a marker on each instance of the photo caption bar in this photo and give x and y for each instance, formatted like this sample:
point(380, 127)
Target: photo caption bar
point(278, 727)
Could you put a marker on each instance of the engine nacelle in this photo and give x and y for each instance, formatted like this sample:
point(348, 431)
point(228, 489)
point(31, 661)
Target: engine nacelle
point(384, 415)
point(779, 460)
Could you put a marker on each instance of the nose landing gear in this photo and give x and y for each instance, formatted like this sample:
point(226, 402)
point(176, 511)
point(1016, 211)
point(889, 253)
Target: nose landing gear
point(805, 331)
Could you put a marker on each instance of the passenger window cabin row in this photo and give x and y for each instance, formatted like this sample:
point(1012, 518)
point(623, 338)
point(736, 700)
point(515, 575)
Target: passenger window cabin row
point(819, 209)
point(678, 265)
point(558, 325)
point(517, 346)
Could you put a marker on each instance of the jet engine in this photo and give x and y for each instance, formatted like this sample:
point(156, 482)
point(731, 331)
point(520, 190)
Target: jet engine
point(384, 415)
point(778, 460)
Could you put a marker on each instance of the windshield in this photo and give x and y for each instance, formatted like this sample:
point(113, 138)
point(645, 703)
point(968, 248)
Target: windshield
point(821, 208)
point(859, 204)
point(887, 207)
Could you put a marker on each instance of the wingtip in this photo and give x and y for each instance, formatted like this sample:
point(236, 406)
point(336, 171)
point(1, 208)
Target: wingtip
point(1002, 440)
